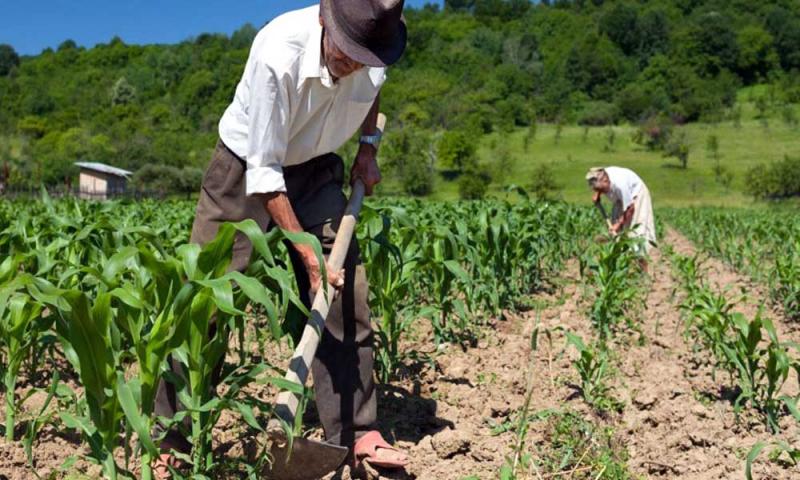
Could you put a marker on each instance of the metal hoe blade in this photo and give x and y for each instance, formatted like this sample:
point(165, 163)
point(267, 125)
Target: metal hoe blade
point(309, 460)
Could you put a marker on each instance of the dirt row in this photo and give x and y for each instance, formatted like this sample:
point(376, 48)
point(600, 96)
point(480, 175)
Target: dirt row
point(677, 421)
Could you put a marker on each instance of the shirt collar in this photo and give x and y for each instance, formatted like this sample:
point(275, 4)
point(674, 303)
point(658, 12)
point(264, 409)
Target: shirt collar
point(312, 66)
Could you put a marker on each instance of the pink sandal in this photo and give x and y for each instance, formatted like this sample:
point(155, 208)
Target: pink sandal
point(366, 448)
point(161, 466)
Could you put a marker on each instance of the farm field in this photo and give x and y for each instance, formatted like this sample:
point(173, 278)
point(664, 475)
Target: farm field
point(512, 343)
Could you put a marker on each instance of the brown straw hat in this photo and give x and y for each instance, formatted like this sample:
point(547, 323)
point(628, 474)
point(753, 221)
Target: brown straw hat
point(371, 32)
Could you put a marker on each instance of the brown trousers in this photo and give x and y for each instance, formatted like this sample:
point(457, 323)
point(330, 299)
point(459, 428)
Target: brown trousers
point(343, 368)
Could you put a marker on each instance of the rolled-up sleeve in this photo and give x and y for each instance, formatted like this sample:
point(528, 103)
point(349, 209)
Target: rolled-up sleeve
point(268, 130)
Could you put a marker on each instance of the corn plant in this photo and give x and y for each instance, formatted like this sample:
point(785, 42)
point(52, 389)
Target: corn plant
point(592, 366)
point(449, 314)
point(614, 276)
point(760, 244)
point(785, 286)
point(708, 319)
point(391, 273)
point(749, 350)
point(21, 325)
point(761, 371)
point(115, 290)
point(781, 450)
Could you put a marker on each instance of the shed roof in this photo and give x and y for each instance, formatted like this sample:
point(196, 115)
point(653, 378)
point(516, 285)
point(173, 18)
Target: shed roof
point(102, 167)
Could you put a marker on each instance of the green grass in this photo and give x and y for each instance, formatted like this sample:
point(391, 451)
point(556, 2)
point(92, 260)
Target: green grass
point(580, 448)
point(570, 157)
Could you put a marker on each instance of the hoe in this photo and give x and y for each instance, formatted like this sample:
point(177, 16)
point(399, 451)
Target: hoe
point(304, 459)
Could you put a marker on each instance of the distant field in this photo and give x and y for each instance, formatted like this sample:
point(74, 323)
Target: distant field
point(571, 157)
point(577, 151)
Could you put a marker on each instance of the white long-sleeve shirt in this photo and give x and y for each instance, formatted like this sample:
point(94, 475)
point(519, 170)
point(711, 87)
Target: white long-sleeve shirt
point(287, 108)
point(625, 186)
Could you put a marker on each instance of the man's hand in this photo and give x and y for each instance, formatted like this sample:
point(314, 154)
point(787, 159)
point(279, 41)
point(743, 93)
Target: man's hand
point(365, 167)
point(335, 279)
point(281, 211)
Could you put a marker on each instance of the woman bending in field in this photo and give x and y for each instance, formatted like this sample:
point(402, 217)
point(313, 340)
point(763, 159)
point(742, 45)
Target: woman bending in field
point(630, 197)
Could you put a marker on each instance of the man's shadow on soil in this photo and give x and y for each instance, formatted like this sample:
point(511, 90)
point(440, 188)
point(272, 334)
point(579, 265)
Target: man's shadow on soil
point(403, 413)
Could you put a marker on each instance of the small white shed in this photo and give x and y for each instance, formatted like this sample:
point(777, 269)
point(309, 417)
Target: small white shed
point(99, 181)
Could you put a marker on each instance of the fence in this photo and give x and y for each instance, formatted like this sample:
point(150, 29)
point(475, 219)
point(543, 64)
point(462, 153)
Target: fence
point(11, 193)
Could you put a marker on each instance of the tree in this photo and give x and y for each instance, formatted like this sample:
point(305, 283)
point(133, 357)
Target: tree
point(712, 148)
point(459, 5)
point(654, 32)
point(68, 44)
point(711, 44)
point(243, 37)
point(757, 55)
point(777, 180)
point(123, 92)
point(473, 184)
point(544, 185)
point(456, 151)
point(196, 90)
point(785, 29)
point(789, 115)
point(32, 126)
point(166, 180)
point(678, 147)
point(594, 65)
point(407, 153)
point(504, 160)
point(530, 134)
point(621, 25)
point(8, 59)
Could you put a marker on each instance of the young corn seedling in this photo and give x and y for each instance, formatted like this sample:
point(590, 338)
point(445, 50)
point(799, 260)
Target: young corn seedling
point(592, 366)
point(450, 315)
point(786, 283)
point(390, 269)
point(21, 325)
point(761, 371)
point(613, 274)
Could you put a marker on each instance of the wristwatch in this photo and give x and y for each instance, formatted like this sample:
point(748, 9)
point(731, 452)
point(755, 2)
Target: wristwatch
point(373, 140)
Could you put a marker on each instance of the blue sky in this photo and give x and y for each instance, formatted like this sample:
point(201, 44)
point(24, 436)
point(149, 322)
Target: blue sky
point(33, 25)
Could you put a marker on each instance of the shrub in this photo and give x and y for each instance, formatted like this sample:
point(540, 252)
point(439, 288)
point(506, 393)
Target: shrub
point(473, 184)
point(165, 179)
point(678, 147)
point(407, 152)
point(778, 180)
point(544, 186)
point(456, 150)
point(654, 133)
point(598, 113)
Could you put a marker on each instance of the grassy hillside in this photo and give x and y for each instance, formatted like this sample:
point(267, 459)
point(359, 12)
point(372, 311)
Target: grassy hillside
point(576, 151)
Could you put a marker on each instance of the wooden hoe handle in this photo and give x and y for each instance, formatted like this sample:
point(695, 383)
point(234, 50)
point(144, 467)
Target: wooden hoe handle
point(287, 402)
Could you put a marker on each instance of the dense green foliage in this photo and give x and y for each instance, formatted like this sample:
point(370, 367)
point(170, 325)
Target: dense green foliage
point(474, 66)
